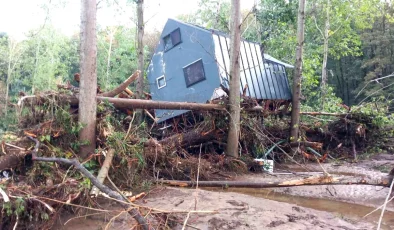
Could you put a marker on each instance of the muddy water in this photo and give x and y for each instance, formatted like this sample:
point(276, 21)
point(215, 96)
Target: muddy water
point(343, 209)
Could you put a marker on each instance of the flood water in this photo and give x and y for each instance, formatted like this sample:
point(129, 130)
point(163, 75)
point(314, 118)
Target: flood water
point(342, 209)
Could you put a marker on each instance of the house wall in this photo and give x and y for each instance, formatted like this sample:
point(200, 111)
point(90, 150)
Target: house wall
point(196, 44)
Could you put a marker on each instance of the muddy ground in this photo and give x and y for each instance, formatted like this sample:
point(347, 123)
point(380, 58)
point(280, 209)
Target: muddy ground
point(305, 207)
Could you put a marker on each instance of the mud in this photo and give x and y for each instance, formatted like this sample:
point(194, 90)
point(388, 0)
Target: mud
point(304, 207)
point(240, 211)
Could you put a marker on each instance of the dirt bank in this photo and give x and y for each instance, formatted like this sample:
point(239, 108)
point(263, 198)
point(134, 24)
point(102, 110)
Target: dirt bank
point(305, 207)
point(239, 211)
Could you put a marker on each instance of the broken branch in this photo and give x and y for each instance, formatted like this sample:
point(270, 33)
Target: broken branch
point(122, 86)
point(103, 188)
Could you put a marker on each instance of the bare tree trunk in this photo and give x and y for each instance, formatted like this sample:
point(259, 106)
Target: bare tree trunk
point(7, 90)
point(323, 83)
point(33, 88)
point(234, 97)
point(111, 39)
point(88, 83)
point(140, 80)
point(295, 111)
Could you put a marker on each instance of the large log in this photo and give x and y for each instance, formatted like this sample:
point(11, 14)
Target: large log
point(122, 86)
point(125, 103)
point(187, 139)
point(322, 180)
point(148, 104)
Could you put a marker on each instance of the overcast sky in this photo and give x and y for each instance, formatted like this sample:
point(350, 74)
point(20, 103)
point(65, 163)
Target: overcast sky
point(19, 16)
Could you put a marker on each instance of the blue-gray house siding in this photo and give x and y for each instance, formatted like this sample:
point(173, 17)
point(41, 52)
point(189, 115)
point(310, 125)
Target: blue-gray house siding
point(202, 56)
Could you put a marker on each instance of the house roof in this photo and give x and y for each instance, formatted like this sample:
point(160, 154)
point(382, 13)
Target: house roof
point(266, 56)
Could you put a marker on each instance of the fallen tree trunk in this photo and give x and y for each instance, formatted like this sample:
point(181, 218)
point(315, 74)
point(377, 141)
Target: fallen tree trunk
point(122, 86)
point(103, 188)
point(125, 103)
point(148, 104)
point(314, 145)
point(325, 114)
point(323, 180)
point(192, 137)
point(103, 173)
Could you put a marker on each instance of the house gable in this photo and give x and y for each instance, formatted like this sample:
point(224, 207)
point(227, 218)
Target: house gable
point(193, 56)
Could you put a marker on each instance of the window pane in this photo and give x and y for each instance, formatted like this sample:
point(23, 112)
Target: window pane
point(194, 73)
point(167, 42)
point(161, 82)
point(176, 37)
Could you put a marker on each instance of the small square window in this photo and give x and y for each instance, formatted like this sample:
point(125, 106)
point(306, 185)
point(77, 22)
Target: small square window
point(167, 42)
point(194, 73)
point(172, 39)
point(161, 82)
point(176, 37)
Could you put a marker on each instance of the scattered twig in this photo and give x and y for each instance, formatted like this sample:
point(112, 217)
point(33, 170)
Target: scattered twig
point(5, 197)
point(385, 204)
point(113, 218)
point(129, 129)
point(14, 146)
point(84, 216)
point(381, 206)
point(185, 222)
point(16, 222)
point(198, 177)
point(45, 204)
point(103, 188)
point(116, 188)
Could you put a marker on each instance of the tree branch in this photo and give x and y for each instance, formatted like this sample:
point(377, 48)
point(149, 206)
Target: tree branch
point(103, 188)
point(122, 86)
point(317, 27)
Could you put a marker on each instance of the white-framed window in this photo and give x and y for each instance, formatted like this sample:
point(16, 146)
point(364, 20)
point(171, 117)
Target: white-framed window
point(161, 82)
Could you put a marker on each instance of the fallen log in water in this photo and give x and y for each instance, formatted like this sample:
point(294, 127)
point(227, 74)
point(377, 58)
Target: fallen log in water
point(322, 180)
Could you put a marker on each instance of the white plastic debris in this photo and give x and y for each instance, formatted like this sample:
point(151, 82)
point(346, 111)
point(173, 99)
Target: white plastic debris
point(266, 165)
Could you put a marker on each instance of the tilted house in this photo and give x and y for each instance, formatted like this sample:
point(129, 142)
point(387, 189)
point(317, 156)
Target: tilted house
point(190, 63)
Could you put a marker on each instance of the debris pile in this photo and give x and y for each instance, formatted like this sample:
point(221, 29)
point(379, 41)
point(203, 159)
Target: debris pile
point(188, 147)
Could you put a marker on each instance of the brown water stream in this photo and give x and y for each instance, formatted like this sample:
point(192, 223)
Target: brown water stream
point(343, 209)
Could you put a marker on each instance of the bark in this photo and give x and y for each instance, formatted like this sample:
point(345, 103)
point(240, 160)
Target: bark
point(103, 188)
point(295, 111)
point(140, 16)
point(103, 173)
point(314, 145)
point(33, 88)
point(111, 38)
point(325, 114)
point(234, 97)
point(190, 138)
point(148, 104)
point(88, 84)
point(322, 180)
point(140, 48)
point(122, 87)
